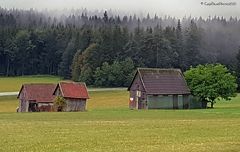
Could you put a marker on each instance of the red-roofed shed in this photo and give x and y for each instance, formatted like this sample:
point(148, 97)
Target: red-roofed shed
point(40, 97)
point(74, 93)
point(36, 97)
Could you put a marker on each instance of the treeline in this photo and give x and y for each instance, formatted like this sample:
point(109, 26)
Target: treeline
point(105, 50)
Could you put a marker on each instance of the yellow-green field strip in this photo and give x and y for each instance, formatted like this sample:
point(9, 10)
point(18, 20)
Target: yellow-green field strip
point(90, 90)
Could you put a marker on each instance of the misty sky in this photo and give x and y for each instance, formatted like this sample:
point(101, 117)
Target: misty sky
point(178, 8)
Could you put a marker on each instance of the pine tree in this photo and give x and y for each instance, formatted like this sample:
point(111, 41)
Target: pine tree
point(147, 51)
point(23, 49)
point(170, 36)
point(85, 38)
point(133, 47)
point(192, 45)
point(162, 49)
point(105, 17)
point(67, 57)
point(238, 68)
point(180, 47)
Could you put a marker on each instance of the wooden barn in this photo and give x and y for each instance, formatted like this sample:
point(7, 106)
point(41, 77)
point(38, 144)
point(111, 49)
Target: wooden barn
point(36, 97)
point(75, 94)
point(40, 97)
point(154, 88)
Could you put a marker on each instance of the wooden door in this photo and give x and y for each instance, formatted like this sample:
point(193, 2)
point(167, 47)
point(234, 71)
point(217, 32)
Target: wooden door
point(175, 101)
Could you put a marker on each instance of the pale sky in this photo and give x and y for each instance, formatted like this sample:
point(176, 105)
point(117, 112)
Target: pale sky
point(178, 8)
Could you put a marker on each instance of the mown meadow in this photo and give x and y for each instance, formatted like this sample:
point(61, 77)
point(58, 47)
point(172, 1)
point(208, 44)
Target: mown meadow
point(108, 125)
point(12, 84)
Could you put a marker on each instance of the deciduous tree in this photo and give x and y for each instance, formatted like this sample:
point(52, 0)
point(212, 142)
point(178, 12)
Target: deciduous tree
point(211, 82)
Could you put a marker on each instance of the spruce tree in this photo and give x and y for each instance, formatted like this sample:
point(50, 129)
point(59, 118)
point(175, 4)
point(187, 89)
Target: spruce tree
point(192, 45)
point(67, 57)
point(180, 47)
point(238, 68)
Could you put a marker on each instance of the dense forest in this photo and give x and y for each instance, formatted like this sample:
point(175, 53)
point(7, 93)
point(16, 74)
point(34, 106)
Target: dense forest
point(104, 50)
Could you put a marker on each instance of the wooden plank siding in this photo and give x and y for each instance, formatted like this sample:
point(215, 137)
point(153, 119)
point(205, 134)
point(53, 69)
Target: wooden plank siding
point(136, 88)
point(158, 89)
point(73, 104)
point(40, 97)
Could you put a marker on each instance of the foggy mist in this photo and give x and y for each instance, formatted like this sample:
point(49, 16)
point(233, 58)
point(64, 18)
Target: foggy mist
point(62, 38)
point(177, 8)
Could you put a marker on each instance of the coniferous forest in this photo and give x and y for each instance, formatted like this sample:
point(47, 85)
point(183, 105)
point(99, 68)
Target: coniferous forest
point(104, 50)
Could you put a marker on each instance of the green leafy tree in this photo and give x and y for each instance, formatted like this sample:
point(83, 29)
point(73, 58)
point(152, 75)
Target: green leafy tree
point(116, 74)
point(75, 66)
point(211, 82)
point(101, 75)
point(128, 70)
point(59, 103)
point(84, 64)
point(86, 74)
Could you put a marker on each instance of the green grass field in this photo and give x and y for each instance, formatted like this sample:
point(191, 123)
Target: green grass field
point(9, 84)
point(109, 125)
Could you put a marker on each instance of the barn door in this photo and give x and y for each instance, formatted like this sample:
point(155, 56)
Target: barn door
point(175, 101)
point(185, 102)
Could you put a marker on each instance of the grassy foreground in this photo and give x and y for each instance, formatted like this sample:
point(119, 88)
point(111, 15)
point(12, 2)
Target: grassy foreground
point(109, 125)
point(8, 84)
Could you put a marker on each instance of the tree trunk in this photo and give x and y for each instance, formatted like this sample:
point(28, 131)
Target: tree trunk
point(204, 104)
point(8, 67)
point(22, 68)
point(212, 104)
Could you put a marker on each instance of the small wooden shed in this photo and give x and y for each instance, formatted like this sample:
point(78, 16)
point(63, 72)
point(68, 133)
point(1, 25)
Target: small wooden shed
point(36, 97)
point(154, 88)
point(74, 93)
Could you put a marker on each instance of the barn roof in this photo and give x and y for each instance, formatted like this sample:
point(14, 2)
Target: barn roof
point(73, 90)
point(162, 81)
point(38, 92)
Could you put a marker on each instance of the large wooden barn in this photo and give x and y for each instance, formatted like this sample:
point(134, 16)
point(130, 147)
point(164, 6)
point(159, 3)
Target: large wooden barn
point(40, 97)
point(154, 88)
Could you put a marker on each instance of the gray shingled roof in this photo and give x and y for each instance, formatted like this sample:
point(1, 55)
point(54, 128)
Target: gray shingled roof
point(163, 81)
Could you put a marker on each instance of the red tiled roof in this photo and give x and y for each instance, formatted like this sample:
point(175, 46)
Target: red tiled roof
point(38, 92)
point(163, 81)
point(73, 90)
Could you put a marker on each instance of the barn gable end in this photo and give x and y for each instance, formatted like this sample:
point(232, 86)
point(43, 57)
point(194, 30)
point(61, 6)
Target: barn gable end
point(36, 97)
point(75, 94)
